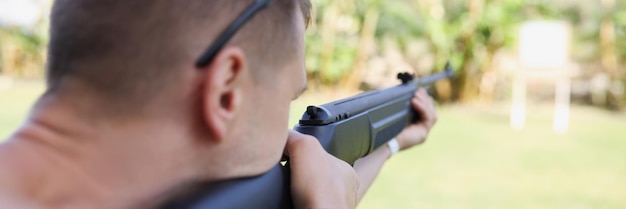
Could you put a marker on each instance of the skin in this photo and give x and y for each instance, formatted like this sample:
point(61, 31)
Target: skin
point(369, 166)
point(218, 123)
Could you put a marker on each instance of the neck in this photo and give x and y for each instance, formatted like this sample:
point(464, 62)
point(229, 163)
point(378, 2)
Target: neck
point(59, 159)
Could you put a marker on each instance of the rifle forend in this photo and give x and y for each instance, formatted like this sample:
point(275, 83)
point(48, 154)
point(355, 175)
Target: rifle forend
point(353, 127)
point(349, 129)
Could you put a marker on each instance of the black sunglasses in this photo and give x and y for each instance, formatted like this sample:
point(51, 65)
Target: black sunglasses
point(230, 31)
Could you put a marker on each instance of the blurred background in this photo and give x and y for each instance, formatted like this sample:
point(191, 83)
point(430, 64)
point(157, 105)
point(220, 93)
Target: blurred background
point(533, 119)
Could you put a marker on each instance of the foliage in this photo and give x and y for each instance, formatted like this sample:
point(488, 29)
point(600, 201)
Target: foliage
point(620, 24)
point(341, 49)
point(21, 53)
point(472, 159)
point(23, 49)
point(468, 33)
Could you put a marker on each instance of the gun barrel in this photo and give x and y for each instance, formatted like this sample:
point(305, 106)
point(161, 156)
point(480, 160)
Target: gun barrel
point(348, 129)
point(447, 73)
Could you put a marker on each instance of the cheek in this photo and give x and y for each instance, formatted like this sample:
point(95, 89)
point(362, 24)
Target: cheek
point(278, 120)
point(281, 120)
point(271, 120)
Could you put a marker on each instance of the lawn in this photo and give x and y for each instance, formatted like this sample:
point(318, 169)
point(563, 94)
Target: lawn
point(474, 160)
point(15, 102)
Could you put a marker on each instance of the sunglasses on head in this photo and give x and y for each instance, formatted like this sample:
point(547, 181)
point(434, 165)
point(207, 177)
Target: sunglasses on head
point(230, 31)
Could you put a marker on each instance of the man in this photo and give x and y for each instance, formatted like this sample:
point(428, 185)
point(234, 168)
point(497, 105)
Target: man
point(128, 120)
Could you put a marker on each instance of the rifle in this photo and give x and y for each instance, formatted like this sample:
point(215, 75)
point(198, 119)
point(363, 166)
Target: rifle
point(349, 129)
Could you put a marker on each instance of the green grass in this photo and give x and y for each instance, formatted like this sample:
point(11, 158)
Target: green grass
point(474, 160)
point(15, 102)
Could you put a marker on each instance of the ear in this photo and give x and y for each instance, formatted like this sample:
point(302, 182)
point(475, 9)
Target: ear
point(222, 93)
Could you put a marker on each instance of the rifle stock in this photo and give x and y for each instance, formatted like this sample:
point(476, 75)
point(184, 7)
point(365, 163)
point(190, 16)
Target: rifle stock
point(349, 129)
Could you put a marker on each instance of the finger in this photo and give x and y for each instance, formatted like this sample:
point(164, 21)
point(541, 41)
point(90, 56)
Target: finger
point(427, 99)
point(420, 107)
point(297, 141)
point(425, 107)
point(421, 93)
point(306, 147)
point(422, 99)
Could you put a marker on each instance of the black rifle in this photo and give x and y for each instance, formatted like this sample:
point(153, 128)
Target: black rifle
point(349, 129)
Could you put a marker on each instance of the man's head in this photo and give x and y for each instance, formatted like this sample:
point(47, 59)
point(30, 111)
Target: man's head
point(134, 61)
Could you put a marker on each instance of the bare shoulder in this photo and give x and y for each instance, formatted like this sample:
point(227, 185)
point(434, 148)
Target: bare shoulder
point(11, 201)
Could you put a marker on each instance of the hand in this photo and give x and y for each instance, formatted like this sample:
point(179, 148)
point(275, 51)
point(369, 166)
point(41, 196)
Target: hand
point(318, 179)
point(417, 132)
